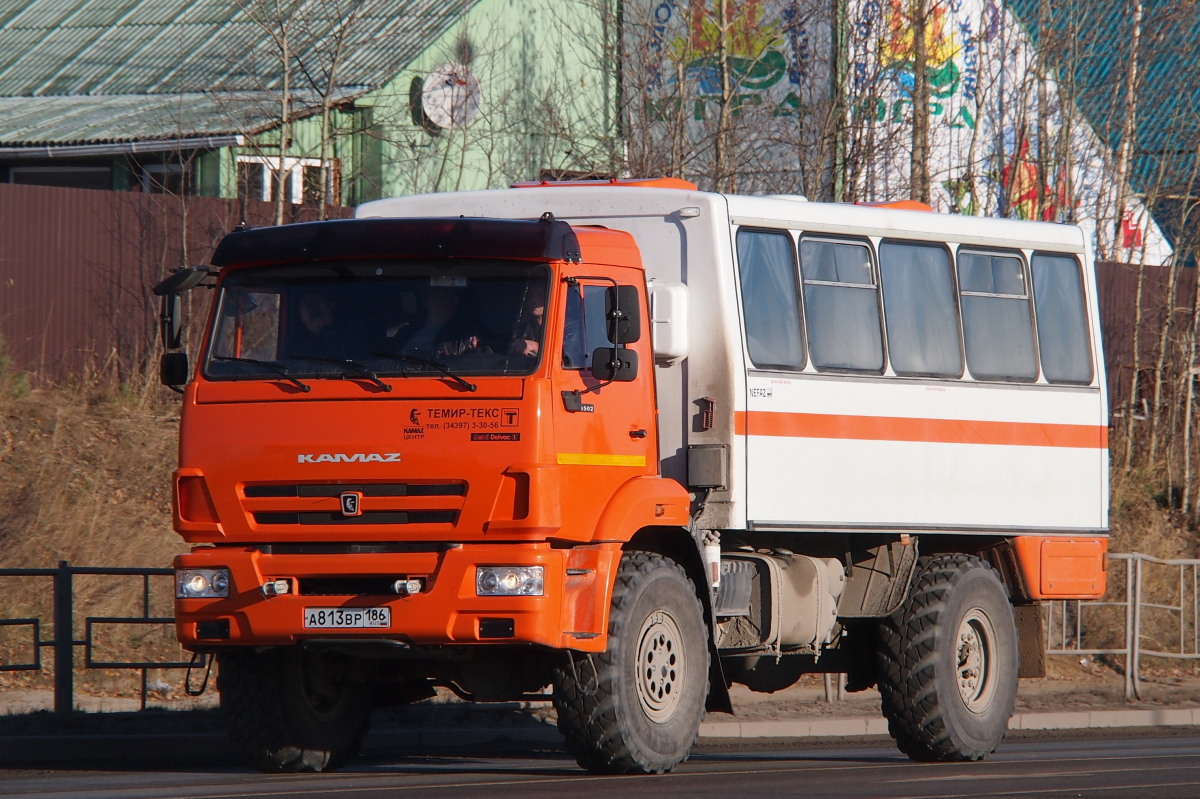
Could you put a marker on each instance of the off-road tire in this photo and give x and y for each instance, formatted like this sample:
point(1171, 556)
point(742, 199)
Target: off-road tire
point(637, 706)
point(948, 661)
point(289, 710)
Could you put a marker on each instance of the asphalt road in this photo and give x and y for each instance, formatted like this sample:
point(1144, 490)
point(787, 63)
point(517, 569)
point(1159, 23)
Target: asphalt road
point(1124, 764)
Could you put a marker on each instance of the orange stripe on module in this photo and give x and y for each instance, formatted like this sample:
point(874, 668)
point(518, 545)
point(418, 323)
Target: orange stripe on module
point(936, 431)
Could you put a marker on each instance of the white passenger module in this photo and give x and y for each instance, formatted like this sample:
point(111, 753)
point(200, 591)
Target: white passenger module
point(867, 368)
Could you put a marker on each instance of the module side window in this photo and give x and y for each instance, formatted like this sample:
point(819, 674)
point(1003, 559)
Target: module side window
point(1061, 319)
point(920, 309)
point(997, 318)
point(770, 304)
point(841, 305)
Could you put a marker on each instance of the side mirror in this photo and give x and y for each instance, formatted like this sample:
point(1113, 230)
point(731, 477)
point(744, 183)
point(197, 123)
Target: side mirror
point(173, 369)
point(617, 365)
point(622, 314)
point(185, 278)
point(170, 323)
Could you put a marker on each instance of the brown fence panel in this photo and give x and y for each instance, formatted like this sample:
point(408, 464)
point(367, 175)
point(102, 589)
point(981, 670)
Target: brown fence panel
point(76, 268)
point(1118, 287)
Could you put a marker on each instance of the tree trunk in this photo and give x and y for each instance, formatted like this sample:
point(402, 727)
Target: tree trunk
point(919, 162)
point(722, 174)
point(1129, 120)
point(285, 124)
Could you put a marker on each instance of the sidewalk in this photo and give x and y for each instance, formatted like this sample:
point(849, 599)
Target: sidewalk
point(129, 740)
point(1081, 702)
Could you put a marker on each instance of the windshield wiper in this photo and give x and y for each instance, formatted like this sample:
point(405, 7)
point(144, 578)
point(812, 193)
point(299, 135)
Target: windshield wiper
point(355, 368)
point(441, 367)
point(273, 366)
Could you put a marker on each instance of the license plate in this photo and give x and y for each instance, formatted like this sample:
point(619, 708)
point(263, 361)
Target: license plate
point(347, 618)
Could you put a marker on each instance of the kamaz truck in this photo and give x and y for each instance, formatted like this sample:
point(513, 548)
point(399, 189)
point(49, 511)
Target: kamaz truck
point(620, 444)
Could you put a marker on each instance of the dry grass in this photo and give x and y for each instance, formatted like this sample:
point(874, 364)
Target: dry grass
point(1143, 521)
point(85, 476)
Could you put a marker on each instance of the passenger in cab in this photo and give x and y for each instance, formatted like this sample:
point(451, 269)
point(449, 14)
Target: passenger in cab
point(446, 327)
point(527, 339)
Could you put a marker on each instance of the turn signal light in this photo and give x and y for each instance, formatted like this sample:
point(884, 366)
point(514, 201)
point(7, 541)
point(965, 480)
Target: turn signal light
point(195, 504)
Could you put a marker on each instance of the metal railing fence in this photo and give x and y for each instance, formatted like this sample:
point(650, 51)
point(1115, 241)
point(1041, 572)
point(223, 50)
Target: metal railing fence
point(1160, 602)
point(64, 641)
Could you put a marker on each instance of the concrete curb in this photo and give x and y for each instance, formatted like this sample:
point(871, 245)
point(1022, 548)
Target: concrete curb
point(214, 748)
point(1089, 719)
point(817, 728)
point(854, 727)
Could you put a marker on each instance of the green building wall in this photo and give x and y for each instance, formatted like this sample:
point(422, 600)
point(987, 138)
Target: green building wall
point(548, 81)
point(547, 84)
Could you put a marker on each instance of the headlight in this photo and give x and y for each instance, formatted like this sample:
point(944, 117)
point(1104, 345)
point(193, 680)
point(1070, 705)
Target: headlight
point(201, 583)
point(510, 580)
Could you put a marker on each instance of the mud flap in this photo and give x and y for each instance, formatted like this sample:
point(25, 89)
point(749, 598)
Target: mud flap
point(718, 700)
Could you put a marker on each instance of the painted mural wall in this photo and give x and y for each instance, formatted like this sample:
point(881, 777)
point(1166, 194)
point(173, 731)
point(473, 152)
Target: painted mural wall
point(821, 104)
point(1003, 141)
point(761, 125)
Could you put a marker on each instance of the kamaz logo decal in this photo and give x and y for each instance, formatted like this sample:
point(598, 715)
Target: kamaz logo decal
point(352, 457)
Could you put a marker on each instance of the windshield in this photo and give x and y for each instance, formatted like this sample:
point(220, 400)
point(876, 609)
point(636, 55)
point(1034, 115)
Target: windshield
point(370, 319)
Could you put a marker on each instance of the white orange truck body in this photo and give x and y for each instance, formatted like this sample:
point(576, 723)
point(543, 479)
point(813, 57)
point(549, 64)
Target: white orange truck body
point(688, 439)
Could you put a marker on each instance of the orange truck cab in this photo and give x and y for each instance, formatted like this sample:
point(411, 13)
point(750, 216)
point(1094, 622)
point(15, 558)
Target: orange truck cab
point(420, 470)
point(496, 452)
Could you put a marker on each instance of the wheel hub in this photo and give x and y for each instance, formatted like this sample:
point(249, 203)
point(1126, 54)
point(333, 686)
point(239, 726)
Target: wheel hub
point(661, 667)
point(975, 656)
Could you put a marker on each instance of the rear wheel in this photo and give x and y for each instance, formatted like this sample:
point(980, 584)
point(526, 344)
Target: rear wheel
point(291, 710)
point(948, 661)
point(637, 706)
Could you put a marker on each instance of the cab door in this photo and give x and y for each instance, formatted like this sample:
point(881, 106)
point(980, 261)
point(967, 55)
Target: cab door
point(603, 410)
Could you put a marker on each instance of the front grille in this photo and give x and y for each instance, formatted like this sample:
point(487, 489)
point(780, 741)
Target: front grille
point(270, 507)
point(373, 517)
point(366, 489)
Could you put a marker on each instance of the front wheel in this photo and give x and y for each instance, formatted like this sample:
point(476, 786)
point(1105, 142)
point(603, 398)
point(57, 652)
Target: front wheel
point(291, 710)
point(637, 706)
point(948, 661)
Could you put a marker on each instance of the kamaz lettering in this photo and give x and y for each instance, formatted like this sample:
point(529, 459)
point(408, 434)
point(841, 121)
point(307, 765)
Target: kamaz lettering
point(355, 457)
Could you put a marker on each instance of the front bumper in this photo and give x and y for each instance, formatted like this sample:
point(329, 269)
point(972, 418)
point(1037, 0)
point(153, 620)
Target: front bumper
point(572, 613)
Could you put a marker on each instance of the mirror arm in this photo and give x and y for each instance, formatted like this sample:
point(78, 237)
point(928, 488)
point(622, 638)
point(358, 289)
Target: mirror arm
point(182, 279)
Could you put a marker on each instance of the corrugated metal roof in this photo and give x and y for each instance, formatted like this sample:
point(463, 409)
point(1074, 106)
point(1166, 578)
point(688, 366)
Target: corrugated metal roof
point(1089, 42)
point(72, 120)
point(107, 67)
